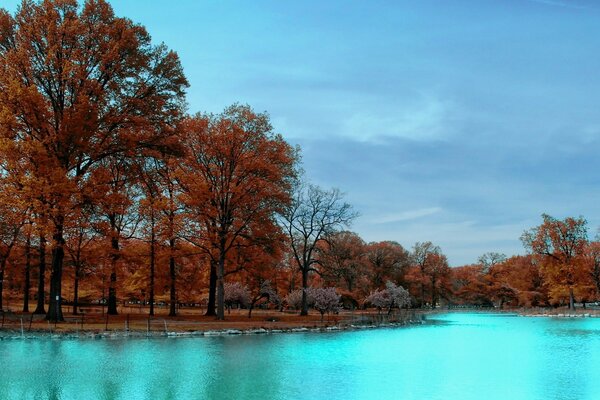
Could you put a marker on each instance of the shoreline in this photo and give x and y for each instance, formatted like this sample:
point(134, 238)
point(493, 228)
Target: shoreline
point(190, 324)
point(239, 327)
point(11, 334)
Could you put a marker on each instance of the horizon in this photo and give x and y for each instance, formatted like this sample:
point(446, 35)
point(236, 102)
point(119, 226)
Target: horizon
point(441, 122)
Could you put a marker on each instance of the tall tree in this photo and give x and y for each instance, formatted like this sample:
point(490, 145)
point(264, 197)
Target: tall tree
point(343, 258)
point(387, 261)
point(77, 85)
point(235, 179)
point(12, 219)
point(421, 256)
point(560, 246)
point(313, 214)
point(436, 269)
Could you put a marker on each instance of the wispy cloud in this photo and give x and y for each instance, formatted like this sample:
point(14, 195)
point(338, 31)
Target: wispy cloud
point(426, 118)
point(559, 4)
point(407, 215)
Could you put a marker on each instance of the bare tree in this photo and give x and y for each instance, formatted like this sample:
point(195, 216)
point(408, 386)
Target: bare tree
point(313, 214)
point(488, 260)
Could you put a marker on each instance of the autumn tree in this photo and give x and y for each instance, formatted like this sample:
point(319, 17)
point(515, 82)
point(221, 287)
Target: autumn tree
point(488, 260)
point(235, 178)
point(343, 258)
point(592, 255)
point(79, 236)
point(313, 214)
point(78, 85)
point(560, 246)
point(386, 260)
point(471, 286)
point(436, 269)
point(12, 219)
point(421, 257)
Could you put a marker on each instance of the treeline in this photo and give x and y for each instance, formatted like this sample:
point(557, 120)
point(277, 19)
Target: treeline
point(112, 192)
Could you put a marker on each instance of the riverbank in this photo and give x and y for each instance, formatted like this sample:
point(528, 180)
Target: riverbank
point(562, 312)
point(26, 326)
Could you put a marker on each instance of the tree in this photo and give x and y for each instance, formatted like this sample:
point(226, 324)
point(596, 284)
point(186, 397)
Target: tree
point(313, 214)
point(390, 297)
point(297, 298)
point(78, 238)
point(387, 260)
point(267, 292)
point(235, 178)
point(436, 269)
point(421, 256)
point(78, 85)
point(488, 260)
point(235, 294)
point(560, 246)
point(325, 300)
point(593, 258)
point(342, 258)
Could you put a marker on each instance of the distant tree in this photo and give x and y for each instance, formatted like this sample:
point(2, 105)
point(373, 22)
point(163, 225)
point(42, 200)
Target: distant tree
point(421, 256)
point(266, 292)
point(313, 214)
point(386, 261)
point(235, 294)
point(325, 300)
point(390, 297)
point(593, 258)
point(436, 269)
point(295, 298)
point(560, 246)
point(342, 258)
point(488, 260)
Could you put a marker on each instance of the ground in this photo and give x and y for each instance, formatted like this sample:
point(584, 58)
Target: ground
point(136, 319)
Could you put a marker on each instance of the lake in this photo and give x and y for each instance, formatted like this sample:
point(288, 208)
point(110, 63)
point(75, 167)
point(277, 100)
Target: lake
point(455, 356)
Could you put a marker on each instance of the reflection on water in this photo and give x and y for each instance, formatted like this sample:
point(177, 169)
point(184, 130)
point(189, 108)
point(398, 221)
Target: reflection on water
point(457, 356)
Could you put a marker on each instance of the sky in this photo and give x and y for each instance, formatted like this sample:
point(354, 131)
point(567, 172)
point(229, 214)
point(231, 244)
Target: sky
point(458, 122)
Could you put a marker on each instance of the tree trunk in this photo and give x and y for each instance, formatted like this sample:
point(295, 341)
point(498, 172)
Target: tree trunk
point(212, 291)
point(433, 294)
point(173, 276)
point(112, 287)
point(2, 265)
point(304, 308)
point(76, 289)
point(27, 285)
point(571, 299)
point(152, 266)
point(41, 295)
point(422, 289)
point(220, 283)
point(58, 254)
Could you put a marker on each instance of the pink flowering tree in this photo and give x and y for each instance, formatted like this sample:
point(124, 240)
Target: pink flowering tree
point(235, 294)
point(294, 298)
point(393, 296)
point(325, 300)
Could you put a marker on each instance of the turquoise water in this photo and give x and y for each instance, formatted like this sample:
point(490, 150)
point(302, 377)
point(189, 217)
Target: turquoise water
point(458, 356)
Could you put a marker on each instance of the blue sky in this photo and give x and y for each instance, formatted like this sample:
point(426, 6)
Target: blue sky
point(458, 122)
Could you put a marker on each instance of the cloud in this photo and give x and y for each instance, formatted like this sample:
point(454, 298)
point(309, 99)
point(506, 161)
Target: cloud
point(427, 118)
point(407, 215)
point(559, 4)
